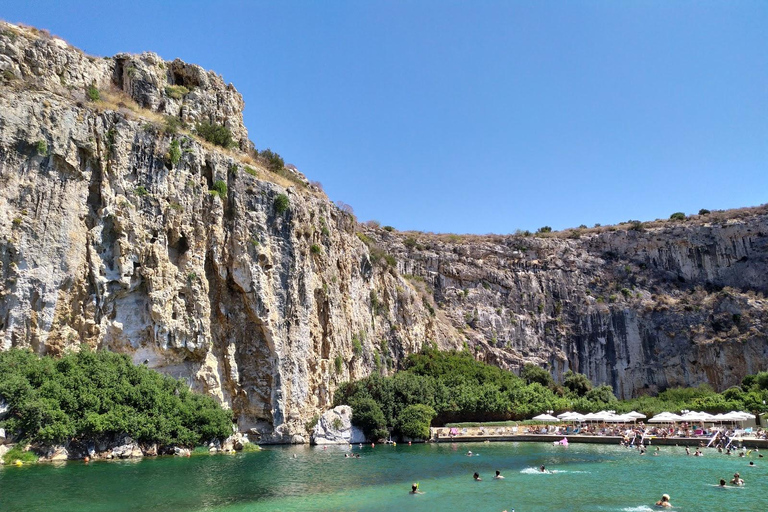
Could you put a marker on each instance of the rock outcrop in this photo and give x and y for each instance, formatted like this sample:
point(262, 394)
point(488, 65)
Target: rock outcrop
point(120, 228)
point(335, 427)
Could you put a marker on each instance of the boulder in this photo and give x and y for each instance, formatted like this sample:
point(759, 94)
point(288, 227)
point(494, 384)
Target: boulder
point(55, 453)
point(181, 452)
point(4, 408)
point(335, 427)
point(3, 450)
point(2, 436)
point(128, 450)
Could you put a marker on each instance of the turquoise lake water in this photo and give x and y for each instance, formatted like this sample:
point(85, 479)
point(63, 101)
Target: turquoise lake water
point(584, 477)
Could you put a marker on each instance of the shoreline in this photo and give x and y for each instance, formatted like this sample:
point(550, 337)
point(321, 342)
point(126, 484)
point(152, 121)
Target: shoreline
point(550, 438)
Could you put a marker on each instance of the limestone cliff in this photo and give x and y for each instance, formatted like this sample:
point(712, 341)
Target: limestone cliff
point(122, 229)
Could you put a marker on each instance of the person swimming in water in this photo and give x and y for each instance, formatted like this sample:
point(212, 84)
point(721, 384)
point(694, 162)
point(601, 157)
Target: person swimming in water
point(469, 453)
point(543, 469)
point(498, 475)
point(477, 478)
point(415, 489)
point(722, 483)
point(664, 501)
point(737, 480)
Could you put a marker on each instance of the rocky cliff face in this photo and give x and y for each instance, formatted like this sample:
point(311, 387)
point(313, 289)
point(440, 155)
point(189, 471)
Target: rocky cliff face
point(121, 229)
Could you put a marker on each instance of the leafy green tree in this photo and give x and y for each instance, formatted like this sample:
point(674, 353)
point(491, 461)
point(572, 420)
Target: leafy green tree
point(367, 415)
point(215, 134)
point(94, 395)
point(576, 382)
point(532, 373)
point(414, 421)
point(601, 394)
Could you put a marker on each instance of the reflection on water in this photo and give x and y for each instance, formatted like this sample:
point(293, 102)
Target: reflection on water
point(583, 477)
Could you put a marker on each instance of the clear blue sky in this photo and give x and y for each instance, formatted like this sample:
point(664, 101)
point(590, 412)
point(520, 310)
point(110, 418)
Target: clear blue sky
point(478, 116)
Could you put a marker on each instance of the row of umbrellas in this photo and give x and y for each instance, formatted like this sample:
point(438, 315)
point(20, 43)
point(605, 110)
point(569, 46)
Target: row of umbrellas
point(607, 416)
point(668, 417)
point(631, 417)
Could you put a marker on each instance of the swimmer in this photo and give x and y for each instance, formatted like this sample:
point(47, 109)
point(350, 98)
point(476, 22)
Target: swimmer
point(656, 452)
point(664, 501)
point(722, 483)
point(737, 480)
point(469, 453)
point(687, 451)
point(498, 475)
point(415, 489)
point(476, 477)
point(543, 469)
point(752, 463)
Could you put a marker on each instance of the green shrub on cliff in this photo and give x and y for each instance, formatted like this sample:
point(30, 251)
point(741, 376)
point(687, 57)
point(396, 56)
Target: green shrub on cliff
point(215, 134)
point(95, 395)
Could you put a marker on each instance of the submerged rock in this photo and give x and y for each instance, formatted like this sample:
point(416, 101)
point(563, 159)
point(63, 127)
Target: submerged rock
point(335, 427)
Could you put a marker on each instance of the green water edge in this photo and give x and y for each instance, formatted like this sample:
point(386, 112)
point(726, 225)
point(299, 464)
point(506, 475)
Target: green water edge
point(584, 477)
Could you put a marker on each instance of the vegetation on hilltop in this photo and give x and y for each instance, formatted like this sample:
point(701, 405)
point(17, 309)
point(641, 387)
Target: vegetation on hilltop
point(97, 395)
point(440, 387)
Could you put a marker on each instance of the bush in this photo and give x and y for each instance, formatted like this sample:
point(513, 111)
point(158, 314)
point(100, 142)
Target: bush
point(174, 153)
point(357, 346)
point(172, 124)
point(338, 363)
point(704, 211)
point(577, 383)
point(215, 134)
point(414, 421)
point(532, 373)
point(97, 395)
point(141, 191)
point(42, 148)
point(544, 229)
point(272, 160)
point(220, 189)
point(93, 93)
point(367, 415)
point(677, 216)
point(176, 91)
point(315, 249)
point(281, 204)
point(18, 453)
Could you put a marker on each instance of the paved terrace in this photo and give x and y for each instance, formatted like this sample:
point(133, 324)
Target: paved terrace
point(475, 435)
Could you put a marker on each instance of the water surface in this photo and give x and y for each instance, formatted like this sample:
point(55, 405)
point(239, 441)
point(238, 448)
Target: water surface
point(584, 477)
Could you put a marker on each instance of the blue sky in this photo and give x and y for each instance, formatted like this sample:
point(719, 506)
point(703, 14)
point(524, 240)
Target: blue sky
point(478, 116)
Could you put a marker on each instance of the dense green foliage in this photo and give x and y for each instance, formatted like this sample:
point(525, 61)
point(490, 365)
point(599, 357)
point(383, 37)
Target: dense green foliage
point(219, 189)
point(95, 395)
point(174, 152)
point(677, 216)
point(415, 420)
point(458, 388)
point(532, 373)
point(215, 134)
point(93, 93)
point(271, 160)
point(281, 204)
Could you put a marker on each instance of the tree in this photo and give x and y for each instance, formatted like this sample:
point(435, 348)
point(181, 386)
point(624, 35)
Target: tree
point(577, 383)
point(532, 373)
point(415, 420)
point(603, 394)
point(367, 415)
